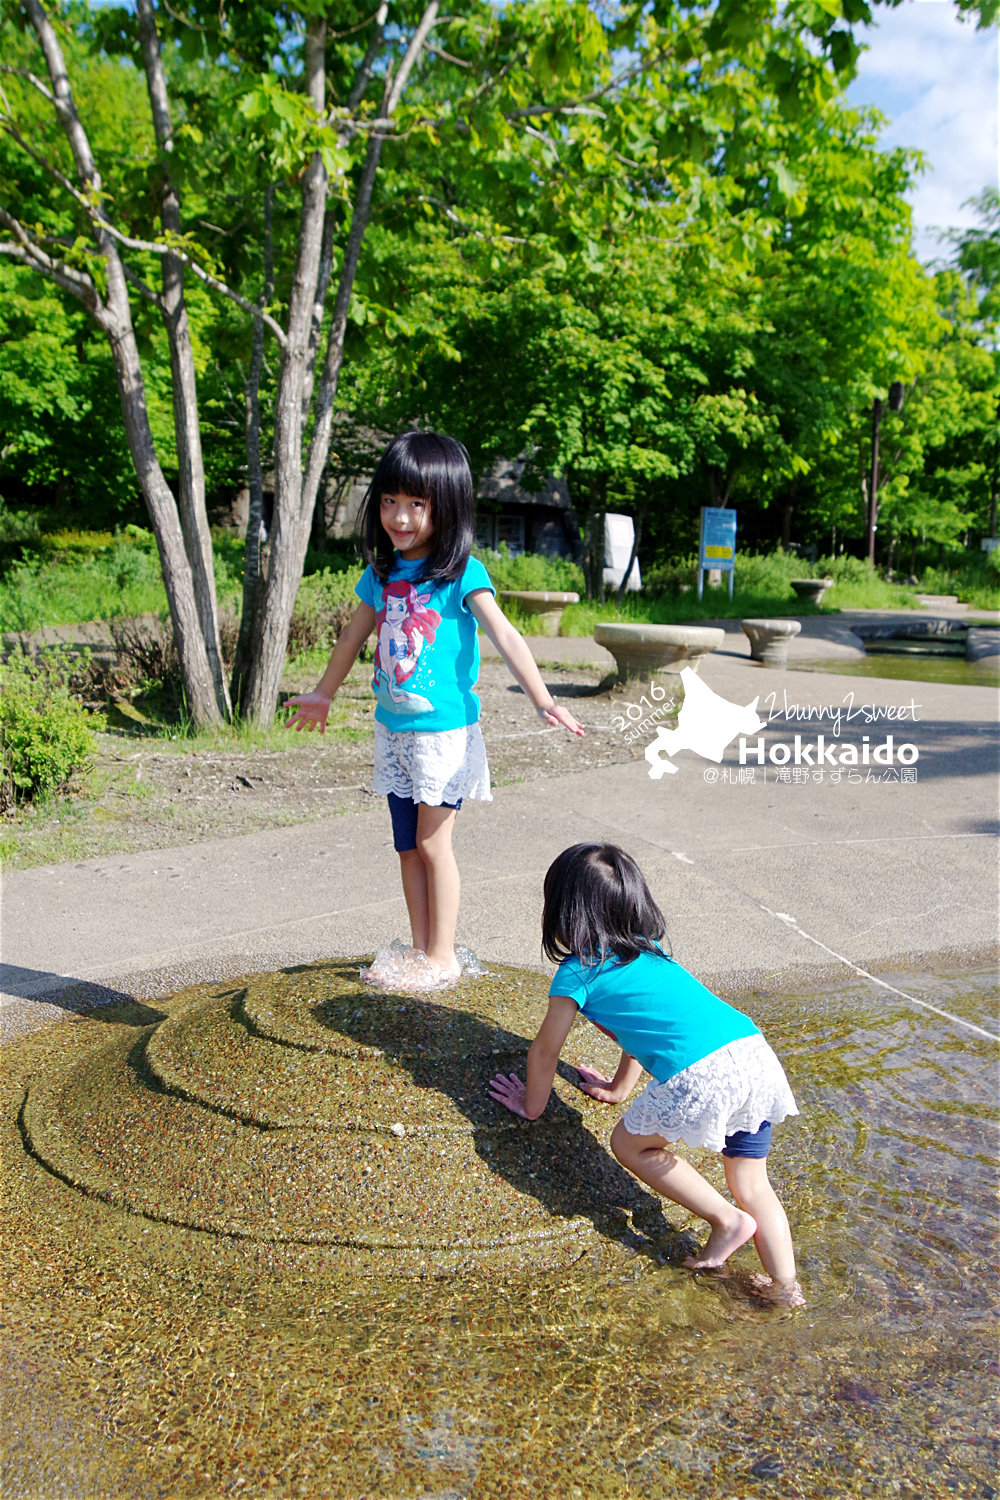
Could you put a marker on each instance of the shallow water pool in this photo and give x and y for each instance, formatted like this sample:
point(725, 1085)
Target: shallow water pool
point(911, 669)
point(143, 1357)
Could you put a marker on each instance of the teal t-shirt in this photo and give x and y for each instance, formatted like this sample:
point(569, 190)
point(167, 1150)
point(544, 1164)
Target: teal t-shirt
point(427, 651)
point(655, 1010)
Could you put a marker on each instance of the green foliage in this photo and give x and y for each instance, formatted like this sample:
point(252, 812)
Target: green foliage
point(45, 733)
point(75, 576)
point(530, 570)
point(67, 577)
point(687, 291)
point(976, 584)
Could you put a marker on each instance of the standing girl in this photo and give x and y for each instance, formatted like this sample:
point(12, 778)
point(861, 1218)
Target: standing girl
point(716, 1082)
point(426, 597)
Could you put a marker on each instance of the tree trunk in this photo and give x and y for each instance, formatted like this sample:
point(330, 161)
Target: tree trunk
point(295, 498)
point(115, 319)
point(191, 469)
point(198, 685)
point(786, 524)
point(270, 626)
point(255, 474)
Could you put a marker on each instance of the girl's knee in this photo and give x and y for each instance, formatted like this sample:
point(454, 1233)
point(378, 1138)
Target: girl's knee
point(620, 1142)
point(747, 1180)
point(628, 1148)
point(432, 848)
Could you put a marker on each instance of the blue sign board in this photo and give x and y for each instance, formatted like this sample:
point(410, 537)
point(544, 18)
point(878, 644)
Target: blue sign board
point(717, 547)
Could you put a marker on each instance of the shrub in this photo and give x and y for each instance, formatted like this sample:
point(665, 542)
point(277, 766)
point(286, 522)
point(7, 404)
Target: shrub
point(845, 569)
point(975, 582)
point(531, 570)
point(323, 605)
point(45, 733)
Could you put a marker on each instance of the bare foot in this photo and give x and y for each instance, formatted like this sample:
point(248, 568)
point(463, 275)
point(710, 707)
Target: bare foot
point(447, 973)
point(778, 1293)
point(722, 1243)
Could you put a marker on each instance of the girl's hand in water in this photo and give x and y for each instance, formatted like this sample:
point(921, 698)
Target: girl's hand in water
point(597, 1086)
point(557, 715)
point(510, 1092)
point(312, 709)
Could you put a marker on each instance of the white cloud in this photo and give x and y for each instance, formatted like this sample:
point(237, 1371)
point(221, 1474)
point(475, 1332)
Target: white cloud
point(936, 79)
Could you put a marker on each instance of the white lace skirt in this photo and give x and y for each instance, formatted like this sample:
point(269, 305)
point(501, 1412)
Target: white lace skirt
point(735, 1088)
point(433, 767)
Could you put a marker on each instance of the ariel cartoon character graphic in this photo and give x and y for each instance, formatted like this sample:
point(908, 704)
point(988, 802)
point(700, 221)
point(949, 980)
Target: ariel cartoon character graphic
point(405, 626)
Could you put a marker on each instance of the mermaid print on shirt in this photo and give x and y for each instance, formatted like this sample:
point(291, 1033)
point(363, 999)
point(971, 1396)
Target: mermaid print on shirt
point(405, 625)
point(427, 650)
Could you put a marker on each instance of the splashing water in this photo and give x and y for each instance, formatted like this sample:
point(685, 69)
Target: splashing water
point(400, 967)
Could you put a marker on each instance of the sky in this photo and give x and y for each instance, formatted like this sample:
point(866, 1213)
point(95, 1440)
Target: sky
point(936, 79)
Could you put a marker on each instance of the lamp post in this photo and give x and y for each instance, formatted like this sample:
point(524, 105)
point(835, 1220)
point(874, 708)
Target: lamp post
point(895, 404)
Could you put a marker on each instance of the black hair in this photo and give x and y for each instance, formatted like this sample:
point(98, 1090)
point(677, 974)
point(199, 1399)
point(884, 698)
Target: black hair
point(597, 903)
point(429, 466)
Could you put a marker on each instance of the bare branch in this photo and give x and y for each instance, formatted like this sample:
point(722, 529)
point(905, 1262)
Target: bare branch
point(30, 253)
point(460, 62)
point(182, 20)
point(479, 234)
point(338, 36)
point(32, 79)
point(46, 166)
point(427, 20)
point(216, 285)
point(142, 288)
point(374, 47)
point(575, 106)
point(150, 247)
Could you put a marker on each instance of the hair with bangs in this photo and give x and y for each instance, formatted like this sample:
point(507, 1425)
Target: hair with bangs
point(597, 903)
point(429, 466)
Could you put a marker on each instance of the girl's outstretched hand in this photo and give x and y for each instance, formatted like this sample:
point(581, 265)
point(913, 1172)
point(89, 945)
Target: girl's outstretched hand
point(510, 1092)
point(597, 1086)
point(312, 709)
point(558, 715)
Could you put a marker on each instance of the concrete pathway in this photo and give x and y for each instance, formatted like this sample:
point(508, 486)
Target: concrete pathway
point(880, 874)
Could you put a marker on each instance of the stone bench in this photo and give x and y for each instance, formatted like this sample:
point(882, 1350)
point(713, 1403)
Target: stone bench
point(770, 639)
point(811, 590)
point(643, 650)
point(547, 606)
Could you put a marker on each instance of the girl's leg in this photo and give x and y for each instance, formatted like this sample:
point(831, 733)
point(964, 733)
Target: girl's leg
point(749, 1184)
point(434, 830)
point(414, 874)
point(653, 1162)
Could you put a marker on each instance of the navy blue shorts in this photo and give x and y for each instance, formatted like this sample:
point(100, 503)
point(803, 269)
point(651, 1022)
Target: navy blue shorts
point(752, 1143)
point(403, 812)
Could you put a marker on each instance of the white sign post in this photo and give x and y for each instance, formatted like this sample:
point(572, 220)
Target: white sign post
point(619, 536)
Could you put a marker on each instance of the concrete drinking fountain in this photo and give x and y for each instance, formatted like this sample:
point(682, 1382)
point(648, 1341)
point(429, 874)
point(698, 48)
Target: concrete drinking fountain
point(642, 651)
point(770, 640)
point(811, 590)
point(544, 606)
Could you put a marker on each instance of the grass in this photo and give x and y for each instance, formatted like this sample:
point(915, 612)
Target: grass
point(977, 584)
point(763, 587)
point(70, 577)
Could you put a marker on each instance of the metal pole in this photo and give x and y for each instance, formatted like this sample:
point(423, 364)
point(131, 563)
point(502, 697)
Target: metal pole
point(732, 575)
point(873, 486)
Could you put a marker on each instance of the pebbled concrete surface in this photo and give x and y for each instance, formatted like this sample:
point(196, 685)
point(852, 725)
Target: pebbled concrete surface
point(881, 874)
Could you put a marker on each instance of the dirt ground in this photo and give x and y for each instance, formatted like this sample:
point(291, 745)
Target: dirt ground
point(152, 793)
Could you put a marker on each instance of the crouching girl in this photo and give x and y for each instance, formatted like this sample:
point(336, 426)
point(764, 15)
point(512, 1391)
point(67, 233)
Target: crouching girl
point(716, 1082)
